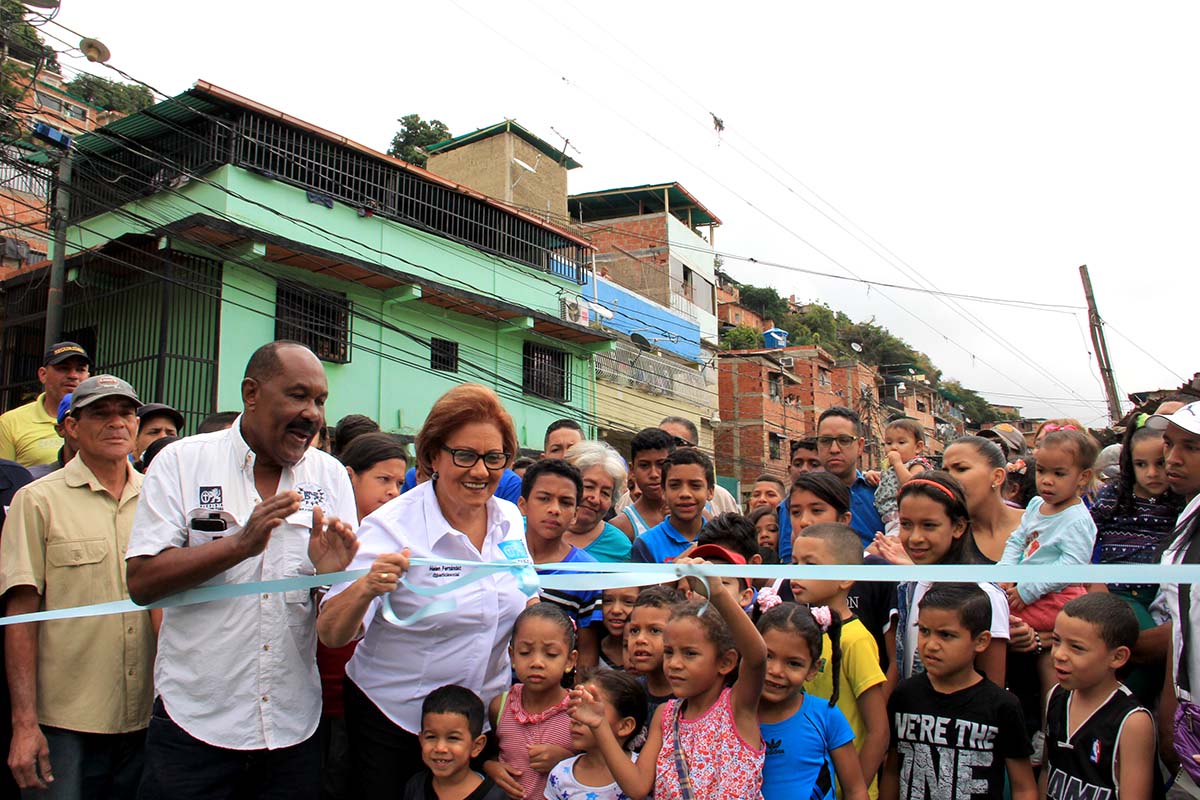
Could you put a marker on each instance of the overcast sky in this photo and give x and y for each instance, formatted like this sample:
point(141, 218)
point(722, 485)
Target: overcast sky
point(978, 148)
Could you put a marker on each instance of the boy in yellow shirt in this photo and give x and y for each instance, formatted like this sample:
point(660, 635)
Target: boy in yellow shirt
point(865, 704)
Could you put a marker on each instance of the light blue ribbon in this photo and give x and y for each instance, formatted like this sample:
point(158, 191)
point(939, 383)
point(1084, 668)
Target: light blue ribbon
point(590, 576)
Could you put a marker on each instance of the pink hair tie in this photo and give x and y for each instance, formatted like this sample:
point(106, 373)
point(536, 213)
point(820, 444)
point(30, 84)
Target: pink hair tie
point(768, 598)
point(823, 617)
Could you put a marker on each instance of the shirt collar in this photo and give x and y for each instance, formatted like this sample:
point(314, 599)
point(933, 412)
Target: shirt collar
point(673, 532)
point(40, 409)
point(438, 527)
point(242, 452)
point(76, 474)
point(859, 480)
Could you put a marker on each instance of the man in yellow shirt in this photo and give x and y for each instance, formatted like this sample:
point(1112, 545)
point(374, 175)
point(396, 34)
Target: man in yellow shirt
point(27, 433)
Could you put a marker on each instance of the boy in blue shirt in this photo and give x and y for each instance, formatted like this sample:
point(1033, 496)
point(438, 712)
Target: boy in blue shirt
point(550, 494)
point(688, 479)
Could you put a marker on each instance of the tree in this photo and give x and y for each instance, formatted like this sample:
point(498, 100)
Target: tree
point(764, 301)
point(743, 337)
point(971, 402)
point(414, 135)
point(126, 98)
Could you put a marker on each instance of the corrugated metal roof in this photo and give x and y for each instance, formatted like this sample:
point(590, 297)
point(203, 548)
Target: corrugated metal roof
point(634, 200)
point(507, 126)
point(157, 119)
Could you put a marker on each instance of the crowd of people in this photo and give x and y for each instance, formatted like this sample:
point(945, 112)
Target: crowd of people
point(428, 678)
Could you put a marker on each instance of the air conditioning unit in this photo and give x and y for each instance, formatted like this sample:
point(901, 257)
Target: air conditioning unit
point(787, 362)
point(573, 310)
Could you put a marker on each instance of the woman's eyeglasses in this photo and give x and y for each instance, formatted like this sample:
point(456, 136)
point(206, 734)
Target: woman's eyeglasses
point(493, 460)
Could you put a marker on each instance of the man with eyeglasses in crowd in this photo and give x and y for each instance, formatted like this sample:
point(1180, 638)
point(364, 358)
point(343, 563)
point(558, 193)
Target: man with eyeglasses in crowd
point(839, 444)
point(239, 696)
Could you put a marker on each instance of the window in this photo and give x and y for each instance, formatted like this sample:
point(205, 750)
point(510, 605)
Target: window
point(75, 111)
point(921, 406)
point(443, 355)
point(48, 101)
point(775, 385)
point(775, 446)
point(318, 319)
point(544, 372)
point(823, 376)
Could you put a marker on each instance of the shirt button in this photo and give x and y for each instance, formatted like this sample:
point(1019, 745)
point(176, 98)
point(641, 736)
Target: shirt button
point(265, 596)
point(131, 673)
point(130, 629)
point(264, 698)
point(266, 647)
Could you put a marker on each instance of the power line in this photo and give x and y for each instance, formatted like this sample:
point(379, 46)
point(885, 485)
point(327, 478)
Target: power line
point(360, 242)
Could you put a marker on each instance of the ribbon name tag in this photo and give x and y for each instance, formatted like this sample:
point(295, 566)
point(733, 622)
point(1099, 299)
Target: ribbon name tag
point(515, 551)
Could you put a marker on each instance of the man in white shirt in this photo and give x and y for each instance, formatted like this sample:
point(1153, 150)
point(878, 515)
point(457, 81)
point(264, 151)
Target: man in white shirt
point(1181, 440)
point(239, 694)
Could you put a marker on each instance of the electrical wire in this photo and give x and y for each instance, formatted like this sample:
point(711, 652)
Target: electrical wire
point(127, 76)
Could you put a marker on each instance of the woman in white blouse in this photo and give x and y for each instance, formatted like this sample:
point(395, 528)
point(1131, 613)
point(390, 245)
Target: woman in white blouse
point(466, 443)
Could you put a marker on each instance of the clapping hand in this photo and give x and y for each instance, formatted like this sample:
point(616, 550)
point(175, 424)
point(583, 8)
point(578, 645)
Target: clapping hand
point(332, 544)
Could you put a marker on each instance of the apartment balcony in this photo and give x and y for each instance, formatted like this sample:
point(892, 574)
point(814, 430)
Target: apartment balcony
point(182, 138)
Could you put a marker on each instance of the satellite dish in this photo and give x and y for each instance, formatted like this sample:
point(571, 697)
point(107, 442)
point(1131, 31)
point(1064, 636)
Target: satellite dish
point(641, 341)
point(856, 347)
point(900, 387)
point(94, 50)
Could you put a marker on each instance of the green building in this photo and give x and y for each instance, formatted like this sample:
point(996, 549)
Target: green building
point(209, 224)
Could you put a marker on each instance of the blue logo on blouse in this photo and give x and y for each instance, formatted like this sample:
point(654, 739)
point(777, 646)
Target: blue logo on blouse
point(514, 550)
point(527, 578)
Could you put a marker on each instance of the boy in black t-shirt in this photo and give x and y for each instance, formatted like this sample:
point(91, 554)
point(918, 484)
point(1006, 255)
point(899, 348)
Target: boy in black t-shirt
point(955, 733)
point(1099, 740)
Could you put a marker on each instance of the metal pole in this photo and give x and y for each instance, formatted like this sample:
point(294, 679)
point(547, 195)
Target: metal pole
point(58, 266)
point(1096, 325)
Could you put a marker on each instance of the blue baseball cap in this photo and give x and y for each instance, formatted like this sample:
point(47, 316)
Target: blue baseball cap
point(64, 406)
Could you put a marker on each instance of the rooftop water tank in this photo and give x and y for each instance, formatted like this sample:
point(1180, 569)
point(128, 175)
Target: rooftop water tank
point(775, 338)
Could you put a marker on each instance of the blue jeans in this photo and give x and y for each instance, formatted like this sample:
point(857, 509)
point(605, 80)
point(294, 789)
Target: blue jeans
point(181, 767)
point(92, 765)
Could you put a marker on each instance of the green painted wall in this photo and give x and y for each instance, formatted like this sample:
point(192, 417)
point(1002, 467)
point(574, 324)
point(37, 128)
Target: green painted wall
point(388, 377)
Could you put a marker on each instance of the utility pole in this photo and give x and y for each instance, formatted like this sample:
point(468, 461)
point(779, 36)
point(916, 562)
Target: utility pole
point(1096, 326)
point(58, 266)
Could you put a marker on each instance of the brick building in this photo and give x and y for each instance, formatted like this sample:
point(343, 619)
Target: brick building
point(772, 397)
point(648, 239)
point(25, 188)
point(509, 163)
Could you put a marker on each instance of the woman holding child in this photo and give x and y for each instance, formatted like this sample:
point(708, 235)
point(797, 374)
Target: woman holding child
point(466, 443)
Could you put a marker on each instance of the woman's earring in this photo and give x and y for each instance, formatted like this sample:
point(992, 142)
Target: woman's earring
point(433, 476)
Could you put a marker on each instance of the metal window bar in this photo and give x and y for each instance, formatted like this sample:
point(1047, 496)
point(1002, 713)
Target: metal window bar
point(544, 372)
point(443, 355)
point(280, 151)
point(155, 325)
point(318, 319)
point(359, 180)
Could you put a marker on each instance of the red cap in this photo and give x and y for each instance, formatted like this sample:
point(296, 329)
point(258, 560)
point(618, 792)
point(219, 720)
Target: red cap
point(712, 551)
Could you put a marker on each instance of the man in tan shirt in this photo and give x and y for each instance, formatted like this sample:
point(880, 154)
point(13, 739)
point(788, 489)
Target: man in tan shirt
point(81, 688)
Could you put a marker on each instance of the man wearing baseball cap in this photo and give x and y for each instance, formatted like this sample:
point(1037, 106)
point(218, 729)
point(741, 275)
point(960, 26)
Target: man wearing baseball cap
point(1011, 441)
point(1181, 450)
point(81, 689)
point(27, 432)
point(156, 420)
point(69, 446)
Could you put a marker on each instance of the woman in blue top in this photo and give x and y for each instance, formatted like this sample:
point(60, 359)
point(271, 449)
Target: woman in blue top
point(808, 740)
point(604, 474)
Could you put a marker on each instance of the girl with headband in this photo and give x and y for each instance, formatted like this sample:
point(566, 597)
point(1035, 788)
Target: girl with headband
point(933, 525)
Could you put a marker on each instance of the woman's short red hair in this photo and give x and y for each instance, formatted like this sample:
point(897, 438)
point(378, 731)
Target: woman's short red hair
point(460, 406)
